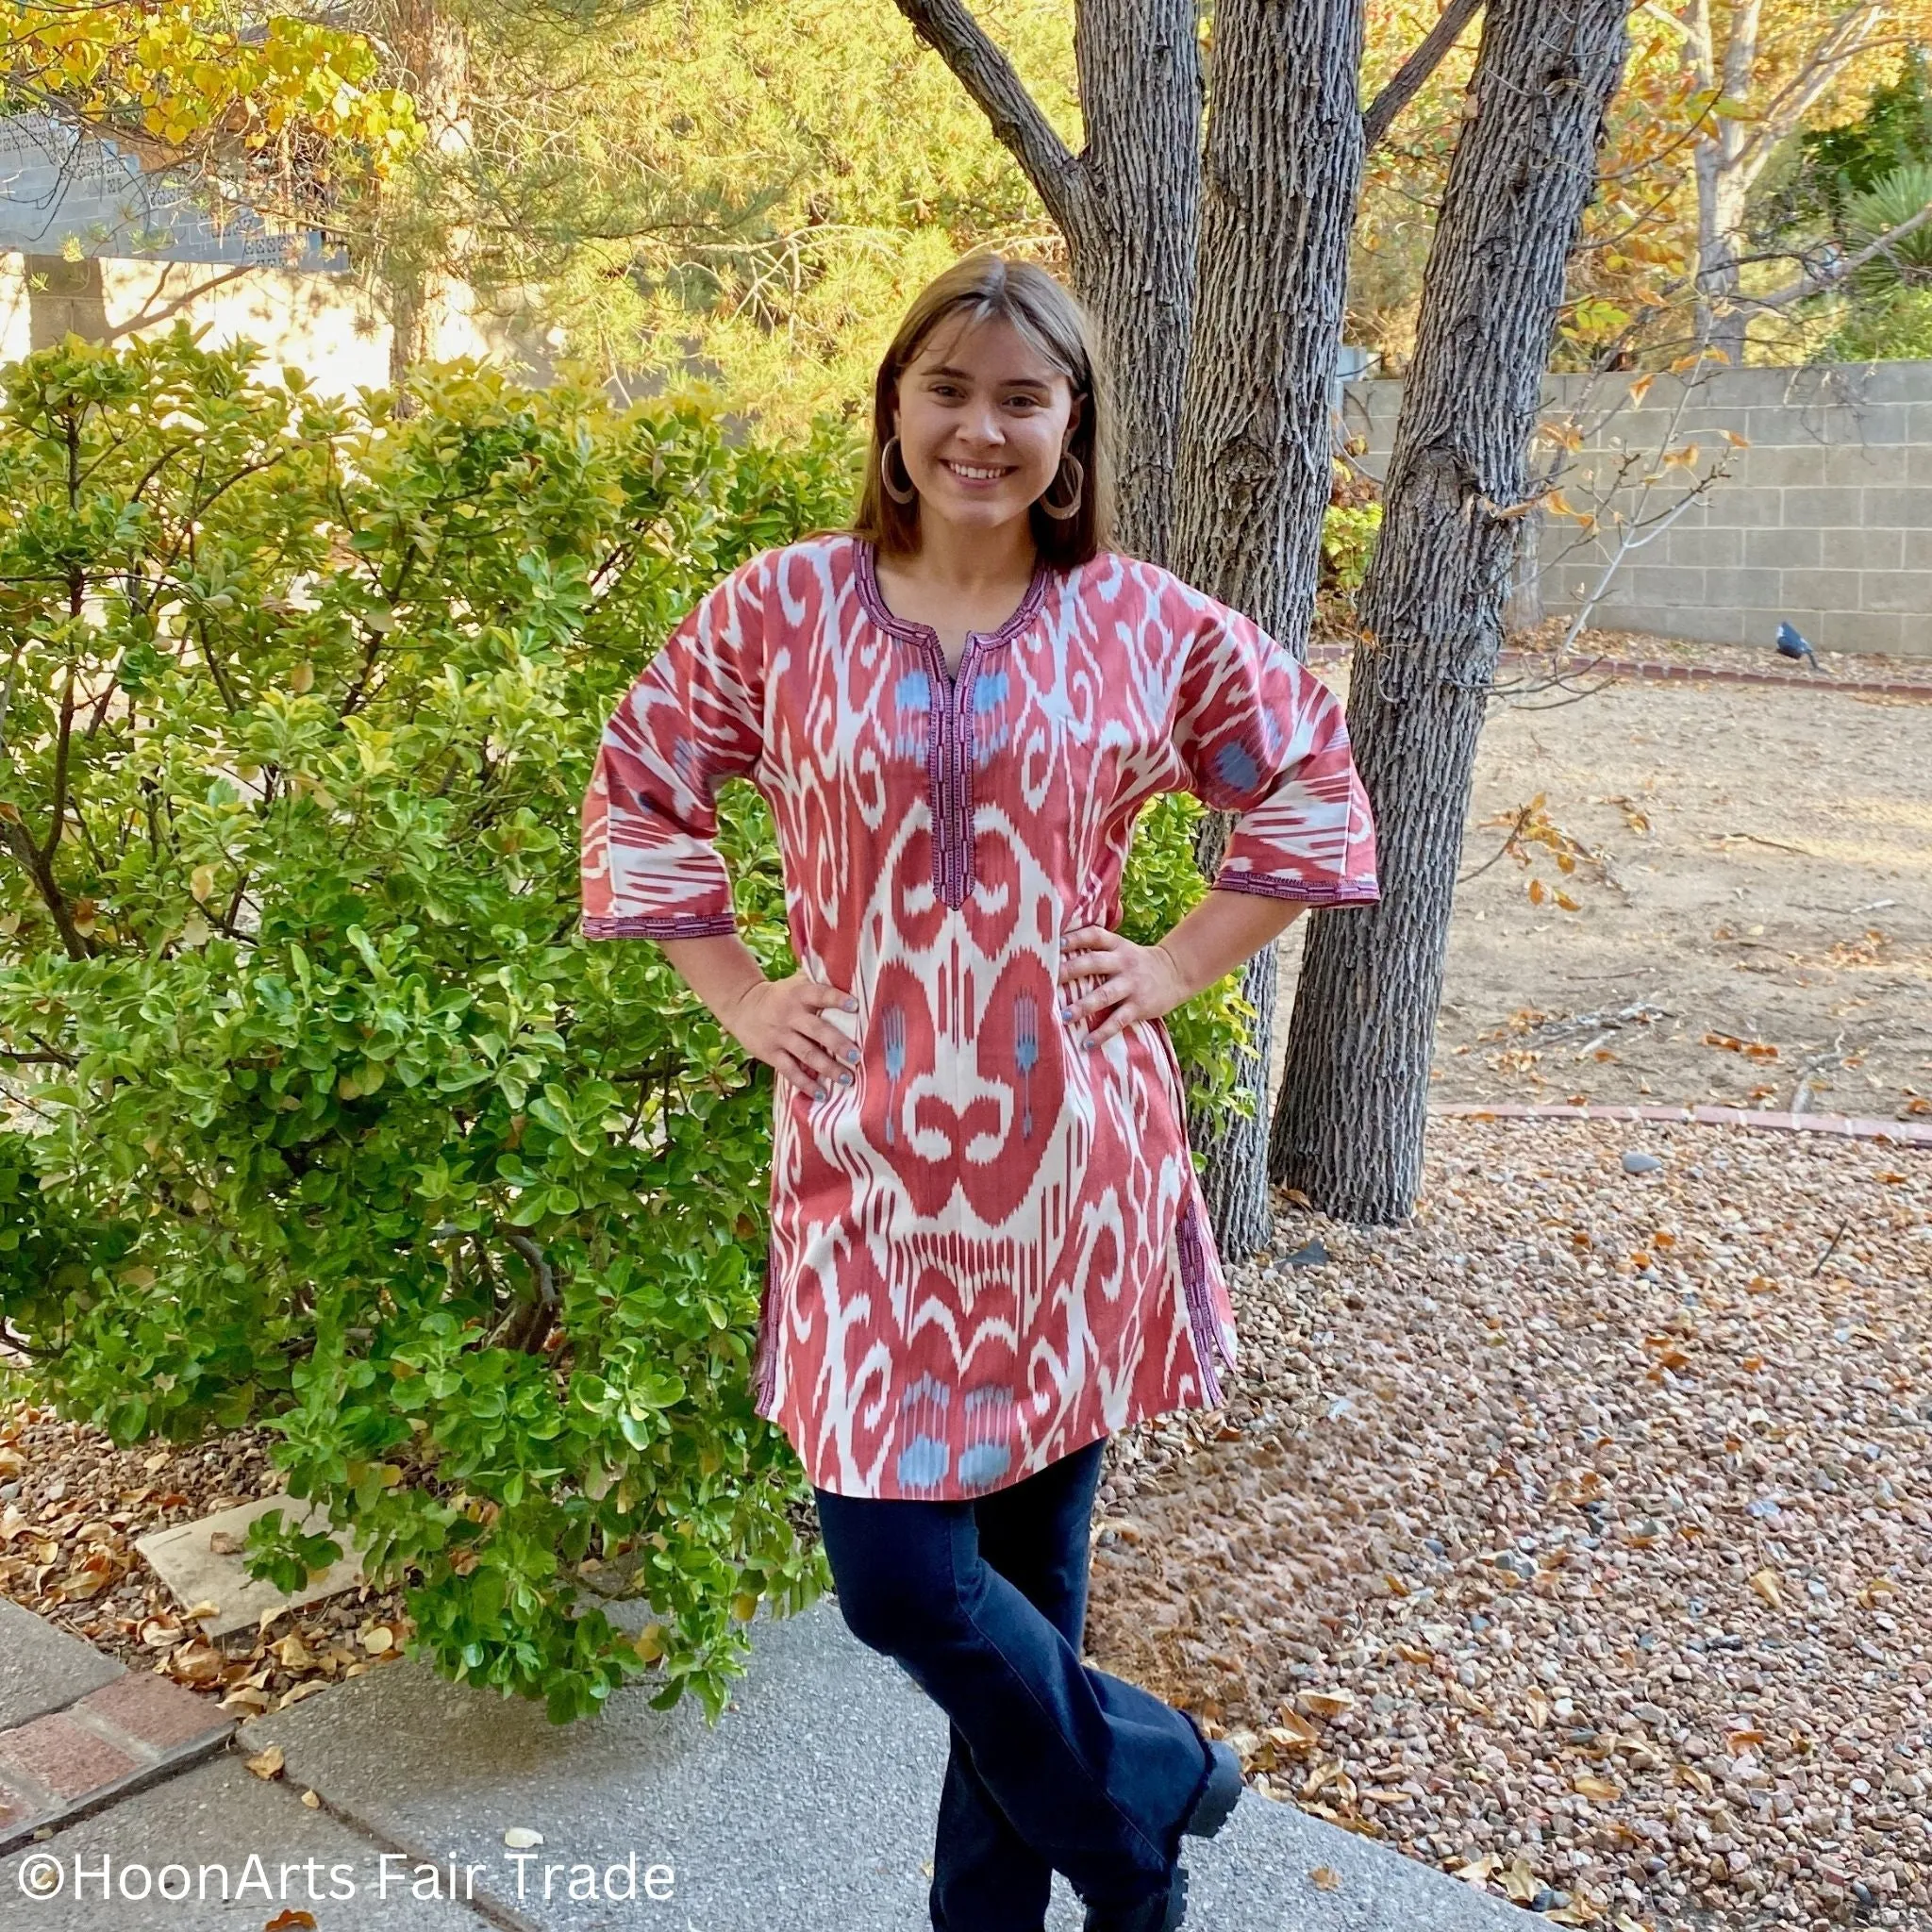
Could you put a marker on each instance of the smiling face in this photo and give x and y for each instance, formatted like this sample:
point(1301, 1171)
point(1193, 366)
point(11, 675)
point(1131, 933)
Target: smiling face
point(983, 417)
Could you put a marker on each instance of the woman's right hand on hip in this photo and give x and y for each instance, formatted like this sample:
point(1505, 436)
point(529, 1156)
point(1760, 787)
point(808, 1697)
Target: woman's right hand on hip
point(788, 1024)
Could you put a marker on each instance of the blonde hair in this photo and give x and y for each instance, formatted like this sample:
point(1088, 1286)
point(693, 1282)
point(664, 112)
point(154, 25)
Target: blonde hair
point(980, 288)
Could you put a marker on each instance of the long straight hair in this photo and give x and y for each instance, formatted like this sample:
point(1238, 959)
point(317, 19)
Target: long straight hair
point(980, 288)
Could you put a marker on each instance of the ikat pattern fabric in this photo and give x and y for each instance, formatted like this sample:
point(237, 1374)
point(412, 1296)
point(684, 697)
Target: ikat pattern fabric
point(990, 1249)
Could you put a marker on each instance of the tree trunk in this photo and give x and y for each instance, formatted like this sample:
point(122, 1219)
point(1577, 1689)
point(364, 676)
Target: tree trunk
point(1349, 1133)
point(1283, 170)
point(1721, 319)
point(424, 275)
point(1131, 244)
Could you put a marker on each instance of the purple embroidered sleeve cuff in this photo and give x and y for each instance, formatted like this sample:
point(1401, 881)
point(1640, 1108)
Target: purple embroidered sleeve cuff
point(1309, 892)
point(685, 926)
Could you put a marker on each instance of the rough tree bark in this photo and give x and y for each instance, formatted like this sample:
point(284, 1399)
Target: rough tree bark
point(1283, 169)
point(1356, 1092)
point(1128, 205)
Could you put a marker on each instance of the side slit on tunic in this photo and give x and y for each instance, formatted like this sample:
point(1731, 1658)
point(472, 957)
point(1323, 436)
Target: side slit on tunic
point(990, 1249)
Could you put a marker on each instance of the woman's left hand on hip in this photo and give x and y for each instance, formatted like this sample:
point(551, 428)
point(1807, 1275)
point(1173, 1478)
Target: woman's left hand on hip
point(1102, 969)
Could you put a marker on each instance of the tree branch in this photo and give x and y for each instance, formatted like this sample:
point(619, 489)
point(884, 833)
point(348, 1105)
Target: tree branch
point(949, 28)
point(1843, 42)
point(16, 839)
point(1406, 81)
point(1829, 278)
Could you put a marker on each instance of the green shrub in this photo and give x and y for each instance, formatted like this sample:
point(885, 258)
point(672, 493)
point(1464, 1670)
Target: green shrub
point(1892, 327)
point(320, 1114)
point(1348, 541)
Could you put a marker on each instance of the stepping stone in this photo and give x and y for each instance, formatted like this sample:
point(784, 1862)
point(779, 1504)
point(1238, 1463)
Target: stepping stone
point(42, 1668)
point(809, 1806)
point(215, 1816)
point(201, 1564)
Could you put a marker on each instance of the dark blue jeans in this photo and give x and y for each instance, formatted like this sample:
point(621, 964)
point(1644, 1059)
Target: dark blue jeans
point(1053, 1766)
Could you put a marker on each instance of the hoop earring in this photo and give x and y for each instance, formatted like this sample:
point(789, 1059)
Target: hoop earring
point(1060, 512)
point(910, 494)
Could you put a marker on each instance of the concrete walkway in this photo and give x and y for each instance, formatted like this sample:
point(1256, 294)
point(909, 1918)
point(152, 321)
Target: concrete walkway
point(808, 1809)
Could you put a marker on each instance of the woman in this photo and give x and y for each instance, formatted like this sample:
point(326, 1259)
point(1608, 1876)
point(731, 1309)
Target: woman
point(988, 1251)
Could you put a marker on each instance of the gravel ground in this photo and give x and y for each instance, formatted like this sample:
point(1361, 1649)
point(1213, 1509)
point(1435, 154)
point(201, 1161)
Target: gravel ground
point(1576, 1536)
point(1693, 892)
point(1641, 647)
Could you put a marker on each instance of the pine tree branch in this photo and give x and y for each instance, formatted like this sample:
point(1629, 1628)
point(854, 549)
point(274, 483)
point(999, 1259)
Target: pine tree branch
point(987, 76)
point(1829, 278)
point(1407, 82)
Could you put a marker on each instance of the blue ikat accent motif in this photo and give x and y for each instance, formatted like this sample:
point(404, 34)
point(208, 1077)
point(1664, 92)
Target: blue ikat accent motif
point(912, 707)
point(924, 1456)
point(984, 1463)
point(1237, 769)
point(923, 1462)
point(991, 732)
point(988, 1411)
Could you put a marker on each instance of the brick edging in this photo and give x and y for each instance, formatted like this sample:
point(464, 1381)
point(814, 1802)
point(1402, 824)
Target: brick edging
point(1899, 1133)
point(131, 1732)
point(1659, 668)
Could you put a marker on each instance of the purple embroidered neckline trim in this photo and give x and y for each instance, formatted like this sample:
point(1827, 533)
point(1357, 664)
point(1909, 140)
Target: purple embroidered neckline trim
point(949, 715)
point(865, 573)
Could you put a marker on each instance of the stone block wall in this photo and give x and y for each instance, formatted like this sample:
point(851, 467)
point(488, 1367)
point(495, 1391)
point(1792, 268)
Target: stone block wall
point(1825, 518)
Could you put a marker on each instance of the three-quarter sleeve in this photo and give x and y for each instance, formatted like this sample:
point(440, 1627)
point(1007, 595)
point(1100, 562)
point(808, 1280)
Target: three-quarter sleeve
point(1263, 736)
point(651, 868)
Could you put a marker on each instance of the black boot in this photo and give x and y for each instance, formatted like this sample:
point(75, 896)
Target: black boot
point(1163, 1912)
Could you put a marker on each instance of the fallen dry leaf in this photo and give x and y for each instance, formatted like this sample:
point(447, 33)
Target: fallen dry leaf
point(1325, 1879)
point(196, 1662)
point(1766, 1584)
point(519, 1838)
point(290, 1921)
point(310, 1799)
point(1587, 1786)
point(1326, 1704)
point(1295, 1732)
point(266, 1764)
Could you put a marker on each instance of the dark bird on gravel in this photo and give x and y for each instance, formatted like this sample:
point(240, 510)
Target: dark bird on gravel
point(1791, 644)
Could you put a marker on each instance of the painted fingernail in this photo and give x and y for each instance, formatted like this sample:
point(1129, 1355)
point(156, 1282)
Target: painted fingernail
point(844, 1079)
point(1087, 1044)
point(818, 1093)
point(852, 1053)
point(851, 1006)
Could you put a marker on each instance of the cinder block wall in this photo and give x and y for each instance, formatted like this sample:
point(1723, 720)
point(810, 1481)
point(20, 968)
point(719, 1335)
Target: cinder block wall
point(1825, 518)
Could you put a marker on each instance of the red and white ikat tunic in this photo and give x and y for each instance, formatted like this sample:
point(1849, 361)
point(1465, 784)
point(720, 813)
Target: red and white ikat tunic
point(991, 1248)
